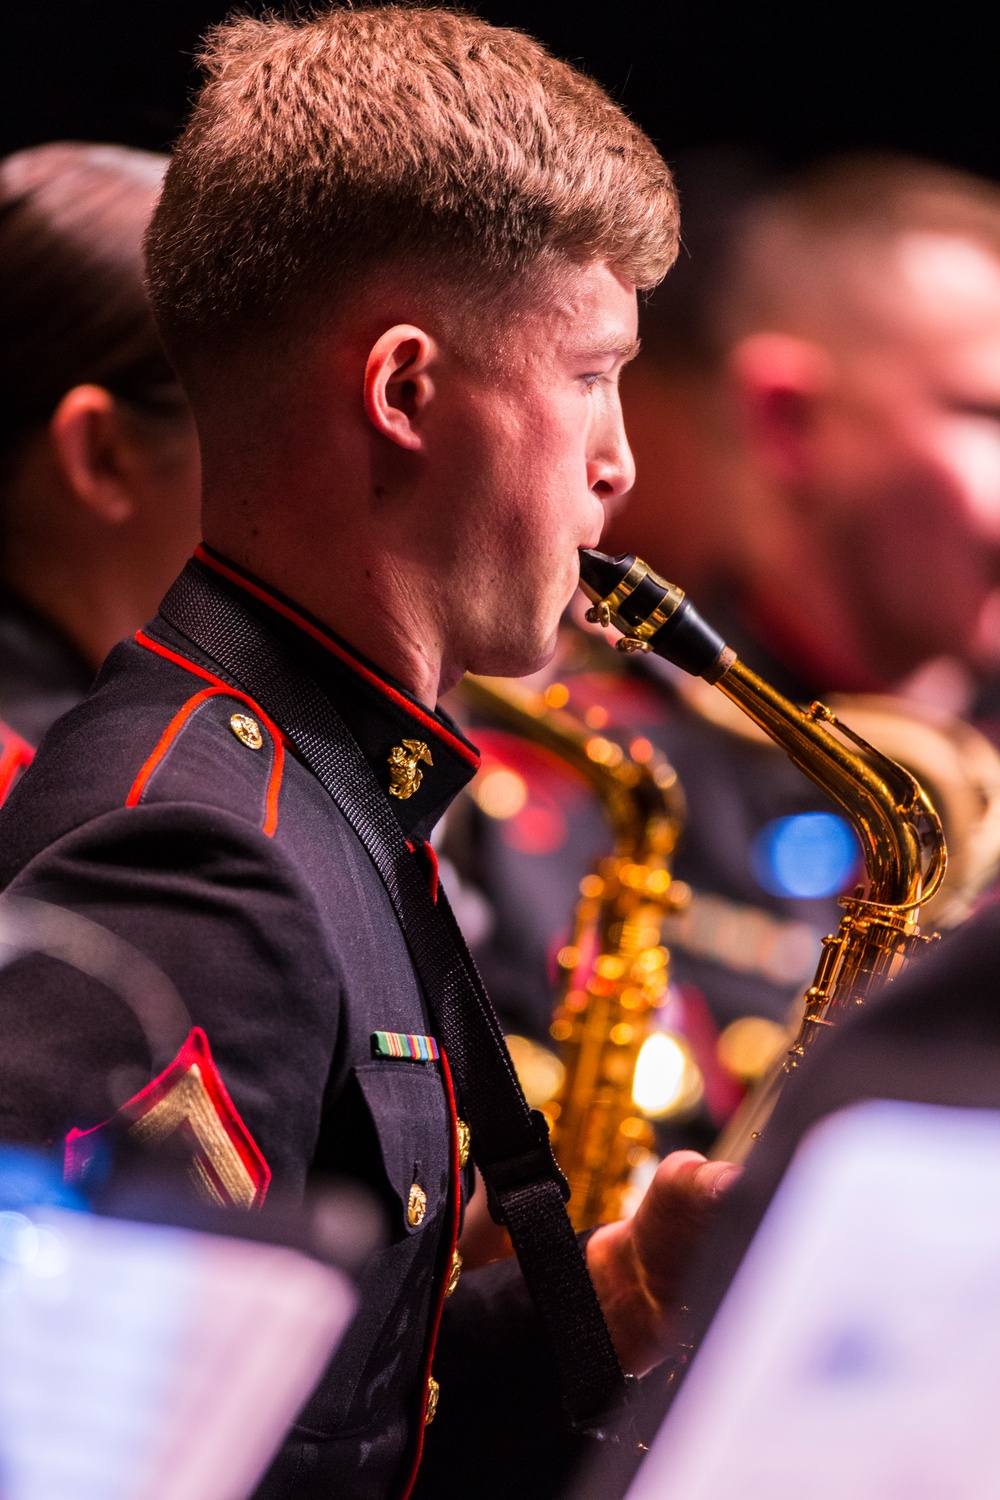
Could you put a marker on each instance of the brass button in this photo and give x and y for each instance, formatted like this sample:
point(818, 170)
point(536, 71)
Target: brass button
point(431, 1400)
point(417, 1206)
point(247, 730)
point(464, 1142)
point(454, 1272)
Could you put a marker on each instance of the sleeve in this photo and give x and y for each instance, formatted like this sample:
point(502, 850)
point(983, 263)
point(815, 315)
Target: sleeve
point(219, 909)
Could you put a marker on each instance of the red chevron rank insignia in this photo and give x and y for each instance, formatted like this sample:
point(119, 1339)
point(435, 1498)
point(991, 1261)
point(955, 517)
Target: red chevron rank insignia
point(189, 1106)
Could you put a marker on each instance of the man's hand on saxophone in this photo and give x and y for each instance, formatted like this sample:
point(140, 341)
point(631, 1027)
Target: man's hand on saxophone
point(638, 1265)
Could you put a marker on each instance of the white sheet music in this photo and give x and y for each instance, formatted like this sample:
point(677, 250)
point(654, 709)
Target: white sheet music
point(857, 1352)
point(139, 1362)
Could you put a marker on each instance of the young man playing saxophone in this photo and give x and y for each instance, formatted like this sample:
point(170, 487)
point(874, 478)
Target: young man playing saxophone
point(395, 263)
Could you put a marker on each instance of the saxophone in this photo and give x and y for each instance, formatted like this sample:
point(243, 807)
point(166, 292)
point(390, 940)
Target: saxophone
point(899, 830)
point(614, 970)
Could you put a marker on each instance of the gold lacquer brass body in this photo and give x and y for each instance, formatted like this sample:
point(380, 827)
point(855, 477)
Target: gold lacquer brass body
point(905, 857)
point(899, 830)
point(614, 970)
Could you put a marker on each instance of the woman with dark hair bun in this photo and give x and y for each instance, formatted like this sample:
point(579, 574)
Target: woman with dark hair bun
point(99, 471)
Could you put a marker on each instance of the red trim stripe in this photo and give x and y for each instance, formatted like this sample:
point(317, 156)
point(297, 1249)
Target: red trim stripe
point(142, 639)
point(15, 755)
point(451, 1240)
point(173, 729)
point(196, 1052)
point(433, 874)
point(166, 739)
point(334, 647)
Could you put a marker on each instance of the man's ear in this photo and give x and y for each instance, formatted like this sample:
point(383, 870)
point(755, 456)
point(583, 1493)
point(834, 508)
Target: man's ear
point(398, 384)
point(95, 452)
point(779, 381)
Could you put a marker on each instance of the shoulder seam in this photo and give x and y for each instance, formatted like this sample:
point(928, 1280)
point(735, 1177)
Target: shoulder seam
point(148, 644)
point(178, 722)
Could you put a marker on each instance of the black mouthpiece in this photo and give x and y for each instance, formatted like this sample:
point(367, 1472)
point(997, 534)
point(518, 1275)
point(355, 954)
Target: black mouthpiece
point(647, 609)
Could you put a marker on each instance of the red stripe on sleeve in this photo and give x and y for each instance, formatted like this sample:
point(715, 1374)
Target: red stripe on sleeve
point(219, 689)
point(15, 755)
point(166, 739)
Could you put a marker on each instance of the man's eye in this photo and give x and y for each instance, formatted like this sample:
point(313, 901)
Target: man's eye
point(591, 380)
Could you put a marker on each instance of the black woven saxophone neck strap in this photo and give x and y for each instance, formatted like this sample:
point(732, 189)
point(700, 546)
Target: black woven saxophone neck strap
point(510, 1143)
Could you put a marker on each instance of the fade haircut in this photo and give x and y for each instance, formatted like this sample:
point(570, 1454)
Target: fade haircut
point(323, 150)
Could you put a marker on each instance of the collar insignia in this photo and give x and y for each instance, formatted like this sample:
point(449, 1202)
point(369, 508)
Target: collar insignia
point(189, 1107)
point(405, 774)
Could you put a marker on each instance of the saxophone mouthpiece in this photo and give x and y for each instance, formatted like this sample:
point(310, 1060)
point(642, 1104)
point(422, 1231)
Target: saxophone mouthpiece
point(651, 614)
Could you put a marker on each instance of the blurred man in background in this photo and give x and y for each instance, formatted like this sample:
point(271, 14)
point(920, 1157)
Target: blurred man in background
point(99, 468)
point(815, 418)
point(846, 425)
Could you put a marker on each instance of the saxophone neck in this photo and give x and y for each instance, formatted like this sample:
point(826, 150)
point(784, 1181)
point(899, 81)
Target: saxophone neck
point(899, 830)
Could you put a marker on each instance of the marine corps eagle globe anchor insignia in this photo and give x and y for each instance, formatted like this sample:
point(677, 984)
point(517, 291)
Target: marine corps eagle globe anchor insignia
point(405, 774)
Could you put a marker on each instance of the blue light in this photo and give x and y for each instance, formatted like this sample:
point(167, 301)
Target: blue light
point(30, 1178)
point(807, 855)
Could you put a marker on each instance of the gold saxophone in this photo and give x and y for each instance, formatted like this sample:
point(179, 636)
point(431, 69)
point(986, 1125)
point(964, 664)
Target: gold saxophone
point(899, 830)
point(614, 970)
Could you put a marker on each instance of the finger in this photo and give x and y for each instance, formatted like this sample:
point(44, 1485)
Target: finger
point(716, 1177)
point(680, 1164)
point(673, 1215)
point(690, 1172)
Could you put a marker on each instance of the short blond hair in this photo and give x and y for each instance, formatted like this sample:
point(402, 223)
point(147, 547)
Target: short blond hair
point(324, 149)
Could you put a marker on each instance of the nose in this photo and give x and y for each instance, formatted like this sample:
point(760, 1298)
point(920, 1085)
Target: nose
point(611, 467)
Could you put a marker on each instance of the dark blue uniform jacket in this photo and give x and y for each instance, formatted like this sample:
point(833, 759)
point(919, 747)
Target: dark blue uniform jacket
point(230, 867)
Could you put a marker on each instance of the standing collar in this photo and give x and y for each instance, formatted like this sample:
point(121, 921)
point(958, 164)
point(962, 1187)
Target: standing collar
point(423, 754)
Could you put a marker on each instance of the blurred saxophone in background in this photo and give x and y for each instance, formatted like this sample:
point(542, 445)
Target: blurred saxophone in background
point(614, 970)
point(899, 830)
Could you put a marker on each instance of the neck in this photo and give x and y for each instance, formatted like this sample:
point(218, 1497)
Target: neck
point(364, 595)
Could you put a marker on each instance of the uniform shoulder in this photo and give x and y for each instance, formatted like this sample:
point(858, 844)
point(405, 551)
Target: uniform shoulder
point(151, 730)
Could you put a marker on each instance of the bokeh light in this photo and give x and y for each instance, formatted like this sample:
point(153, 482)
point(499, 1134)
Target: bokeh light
point(667, 1079)
point(807, 855)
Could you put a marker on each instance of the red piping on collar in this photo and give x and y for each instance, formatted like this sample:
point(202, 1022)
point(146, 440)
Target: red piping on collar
point(173, 729)
point(226, 571)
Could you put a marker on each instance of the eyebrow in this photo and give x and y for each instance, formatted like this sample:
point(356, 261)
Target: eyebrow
point(625, 351)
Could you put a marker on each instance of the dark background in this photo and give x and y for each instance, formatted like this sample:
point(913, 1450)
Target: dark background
point(796, 80)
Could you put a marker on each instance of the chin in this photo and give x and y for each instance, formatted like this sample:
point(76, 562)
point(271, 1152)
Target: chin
point(509, 658)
